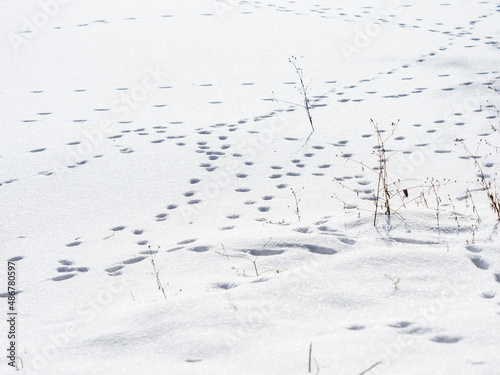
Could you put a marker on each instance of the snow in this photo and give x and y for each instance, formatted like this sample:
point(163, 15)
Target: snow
point(167, 132)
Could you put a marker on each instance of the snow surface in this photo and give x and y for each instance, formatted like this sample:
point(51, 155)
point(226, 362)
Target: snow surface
point(171, 125)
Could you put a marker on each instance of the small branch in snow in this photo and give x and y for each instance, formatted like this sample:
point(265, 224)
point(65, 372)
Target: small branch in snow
point(368, 369)
point(157, 272)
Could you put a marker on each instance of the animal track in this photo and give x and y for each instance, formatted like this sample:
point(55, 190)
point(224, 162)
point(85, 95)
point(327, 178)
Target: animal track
point(38, 150)
point(185, 242)
point(446, 339)
point(161, 217)
point(402, 324)
point(200, 249)
point(473, 249)
point(69, 272)
point(114, 269)
point(242, 190)
point(480, 263)
point(73, 244)
point(134, 260)
point(355, 328)
point(64, 277)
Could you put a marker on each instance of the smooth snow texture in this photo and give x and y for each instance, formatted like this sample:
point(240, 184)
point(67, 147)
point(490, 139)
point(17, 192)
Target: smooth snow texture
point(176, 126)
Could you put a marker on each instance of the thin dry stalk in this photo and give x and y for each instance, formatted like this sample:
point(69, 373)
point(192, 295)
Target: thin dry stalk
point(454, 211)
point(108, 237)
point(396, 190)
point(387, 191)
point(22, 364)
point(488, 184)
point(382, 186)
point(254, 260)
point(302, 90)
point(310, 353)
point(368, 369)
point(497, 112)
point(438, 200)
point(282, 221)
point(296, 210)
point(156, 272)
point(474, 209)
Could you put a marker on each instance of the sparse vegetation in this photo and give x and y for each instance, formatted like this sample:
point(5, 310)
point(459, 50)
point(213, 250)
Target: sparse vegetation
point(394, 281)
point(368, 369)
point(487, 182)
point(296, 210)
point(391, 195)
point(280, 222)
point(246, 257)
point(303, 90)
point(493, 108)
point(310, 360)
point(156, 272)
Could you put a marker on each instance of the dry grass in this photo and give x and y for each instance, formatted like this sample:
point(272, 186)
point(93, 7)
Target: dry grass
point(391, 195)
point(303, 90)
point(156, 272)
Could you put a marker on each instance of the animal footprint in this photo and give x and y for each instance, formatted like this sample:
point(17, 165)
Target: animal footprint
point(161, 217)
point(402, 324)
point(200, 249)
point(480, 263)
point(73, 244)
point(68, 271)
point(185, 242)
point(446, 339)
point(134, 260)
point(114, 271)
point(355, 328)
point(64, 277)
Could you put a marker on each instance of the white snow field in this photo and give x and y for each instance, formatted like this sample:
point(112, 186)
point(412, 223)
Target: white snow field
point(173, 130)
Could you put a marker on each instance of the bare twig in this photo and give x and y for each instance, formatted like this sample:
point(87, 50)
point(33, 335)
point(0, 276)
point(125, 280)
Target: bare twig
point(310, 352)
point(282, 221)
point(111, 235)
point(302, 90)
point(242, 256)
point(395, 282)
point(489, 185)
point(157, 272)
point(388, 192)
point(382, 187)
point(296, 210)
point(474, 209)
point(368, 369)
point(454, 211)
